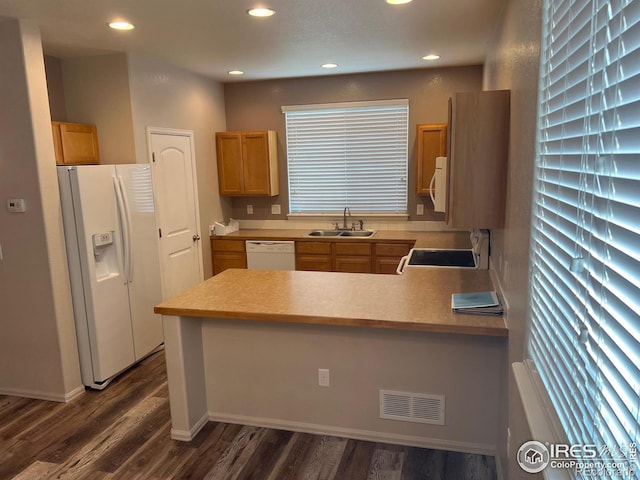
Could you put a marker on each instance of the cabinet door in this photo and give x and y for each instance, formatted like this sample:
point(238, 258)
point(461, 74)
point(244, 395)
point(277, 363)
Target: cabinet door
point(255, 155)
point(477, 173)
point(227, 253)
point(75, 143)
point(222, 261)
point(388, 256)
point(431, 141)
point(229, 153)
point(353, 264)
point(318, 263)
point(387, 265)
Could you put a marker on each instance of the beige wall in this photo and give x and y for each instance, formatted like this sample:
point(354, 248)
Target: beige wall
point(267, 373)
point(96, 91)
point(55, 86)
point(168, 97)
point(38, 355)
point(513, 63)
point(257, 106)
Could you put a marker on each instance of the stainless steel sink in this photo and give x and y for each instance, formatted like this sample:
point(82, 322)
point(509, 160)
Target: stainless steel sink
point(324, 233)
point(358, 233)
point(341, 233)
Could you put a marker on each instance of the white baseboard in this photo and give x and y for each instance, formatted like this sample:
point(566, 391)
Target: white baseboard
point(39, 395)
point(75, 393)
point(357, 434)
point(188, 435)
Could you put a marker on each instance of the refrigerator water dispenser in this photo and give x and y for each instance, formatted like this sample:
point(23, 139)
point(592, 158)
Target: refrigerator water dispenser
point(104, 254)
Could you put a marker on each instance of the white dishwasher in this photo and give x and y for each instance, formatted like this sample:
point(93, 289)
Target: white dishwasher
point(271, 255)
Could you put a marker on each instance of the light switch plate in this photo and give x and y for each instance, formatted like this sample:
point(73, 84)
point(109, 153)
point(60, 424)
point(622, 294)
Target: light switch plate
point(16, 205)
point(275, 209)
point(250, 209)
point(420, 209)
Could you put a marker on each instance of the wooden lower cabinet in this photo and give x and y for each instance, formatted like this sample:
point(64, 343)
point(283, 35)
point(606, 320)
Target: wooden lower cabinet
point(314, 256)
point(227, 253)
point(321, 256)
point(353, 257)
point(387, 256)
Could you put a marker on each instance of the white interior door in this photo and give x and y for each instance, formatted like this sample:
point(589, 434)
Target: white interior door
point(174, 180)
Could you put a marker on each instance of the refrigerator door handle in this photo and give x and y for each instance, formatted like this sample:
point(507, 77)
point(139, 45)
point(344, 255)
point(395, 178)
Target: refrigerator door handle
point(127, 209)
point(125, 229)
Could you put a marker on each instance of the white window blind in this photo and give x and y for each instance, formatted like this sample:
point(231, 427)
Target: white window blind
point(585, 288)
point(348, 155)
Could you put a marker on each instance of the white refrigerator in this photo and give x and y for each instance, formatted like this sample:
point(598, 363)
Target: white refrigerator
point(114, 266)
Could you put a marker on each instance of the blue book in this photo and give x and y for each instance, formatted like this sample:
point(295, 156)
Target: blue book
point(477, 303)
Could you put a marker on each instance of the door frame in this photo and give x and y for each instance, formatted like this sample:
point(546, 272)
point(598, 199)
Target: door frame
point(156, 191)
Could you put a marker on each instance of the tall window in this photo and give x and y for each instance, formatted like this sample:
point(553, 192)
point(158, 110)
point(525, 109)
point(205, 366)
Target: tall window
point(348, 155)
point(585, 289)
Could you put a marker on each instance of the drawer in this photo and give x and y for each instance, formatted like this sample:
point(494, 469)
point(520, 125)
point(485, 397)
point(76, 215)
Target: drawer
point(349, 248)
point(313, 247)
point(223, 245)
point(393, 249)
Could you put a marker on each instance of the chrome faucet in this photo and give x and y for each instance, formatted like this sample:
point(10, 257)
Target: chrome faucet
point(344, 218)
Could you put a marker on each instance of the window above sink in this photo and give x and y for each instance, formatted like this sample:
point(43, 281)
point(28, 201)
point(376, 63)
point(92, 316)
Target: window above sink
point(353, 153)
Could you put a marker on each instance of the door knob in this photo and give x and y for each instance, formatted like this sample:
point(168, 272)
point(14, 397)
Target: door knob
point(196, 237)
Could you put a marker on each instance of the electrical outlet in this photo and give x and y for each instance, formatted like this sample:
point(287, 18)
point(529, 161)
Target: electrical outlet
point(420, 209)
point(250, 209)
point(275, 209)
point(323, 377)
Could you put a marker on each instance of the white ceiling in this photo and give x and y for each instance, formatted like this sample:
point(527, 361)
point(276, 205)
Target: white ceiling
point(212, 37)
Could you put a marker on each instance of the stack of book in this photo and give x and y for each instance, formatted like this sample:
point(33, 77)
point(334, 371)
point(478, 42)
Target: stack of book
point(477, 303)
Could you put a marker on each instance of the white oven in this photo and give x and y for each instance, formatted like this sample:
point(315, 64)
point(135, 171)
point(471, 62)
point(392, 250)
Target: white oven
point(475, 257)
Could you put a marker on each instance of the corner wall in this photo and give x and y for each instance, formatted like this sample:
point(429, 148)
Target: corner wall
point(168, 97)
point(513, 63)
point(38, 355)
point(96, 90)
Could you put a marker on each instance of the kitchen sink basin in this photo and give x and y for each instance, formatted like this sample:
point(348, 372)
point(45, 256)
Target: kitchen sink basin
point(341, 233)
point(324, 233)
point(358, 233)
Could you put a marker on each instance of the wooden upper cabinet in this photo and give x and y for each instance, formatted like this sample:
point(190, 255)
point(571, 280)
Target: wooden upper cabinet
point(229, 152)
point(477, 165)
point(247, 163)
point(75, 143)
point(431, 142)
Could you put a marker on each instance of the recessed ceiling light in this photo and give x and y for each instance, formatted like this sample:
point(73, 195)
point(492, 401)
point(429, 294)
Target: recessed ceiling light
point(431, 57)
point(235, 72)
point(121, 25)
point(261, 12)
point(329, 65)
point(398, 2)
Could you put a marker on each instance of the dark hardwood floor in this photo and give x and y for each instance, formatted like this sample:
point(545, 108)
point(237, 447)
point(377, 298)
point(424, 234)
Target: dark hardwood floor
point(123, 432)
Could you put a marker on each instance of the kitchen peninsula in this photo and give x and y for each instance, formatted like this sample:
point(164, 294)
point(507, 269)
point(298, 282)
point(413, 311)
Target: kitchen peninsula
point(245, 347)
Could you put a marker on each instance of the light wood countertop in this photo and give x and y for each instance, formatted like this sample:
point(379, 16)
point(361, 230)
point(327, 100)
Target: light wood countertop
point(419, 300)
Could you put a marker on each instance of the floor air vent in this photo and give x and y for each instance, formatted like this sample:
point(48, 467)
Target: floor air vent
point(412, 407)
